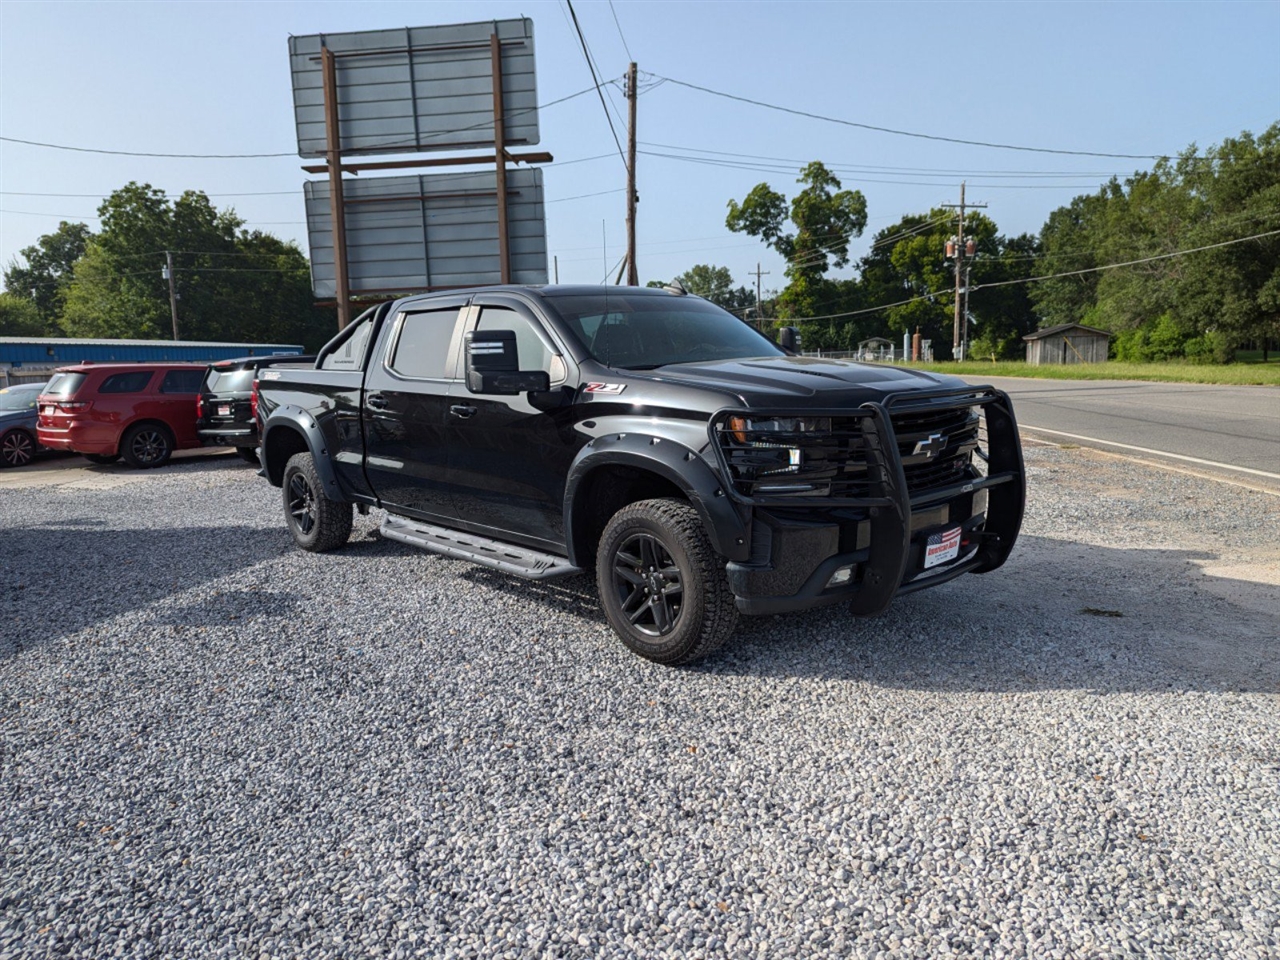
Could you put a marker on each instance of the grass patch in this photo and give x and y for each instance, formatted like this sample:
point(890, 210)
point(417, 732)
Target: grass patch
point(1234, 374)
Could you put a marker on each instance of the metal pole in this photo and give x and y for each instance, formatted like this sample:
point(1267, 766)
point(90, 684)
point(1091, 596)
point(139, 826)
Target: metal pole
point(633, 274)
point(955, 337)
point(173, 291)
point(556, 260)
point(500, 158)
point(759, 302)
point(337, 202)
point(968, 282)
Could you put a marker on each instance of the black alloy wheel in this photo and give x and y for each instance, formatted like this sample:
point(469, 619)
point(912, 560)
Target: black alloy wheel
point(316, 522)
point(662, 586)
point(146, 445)
point(17, 448)
point(302, 504)
point(649, 585)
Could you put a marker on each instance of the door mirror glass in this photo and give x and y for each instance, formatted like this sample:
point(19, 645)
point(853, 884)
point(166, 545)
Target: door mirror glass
point(493, 365)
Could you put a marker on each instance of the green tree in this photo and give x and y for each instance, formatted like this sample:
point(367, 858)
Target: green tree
point(45, 276)
point(19, 317)
point(825, 218)
point(232, 284)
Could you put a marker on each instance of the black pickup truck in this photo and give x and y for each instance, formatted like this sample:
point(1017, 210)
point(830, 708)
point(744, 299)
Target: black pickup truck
point(698, 469)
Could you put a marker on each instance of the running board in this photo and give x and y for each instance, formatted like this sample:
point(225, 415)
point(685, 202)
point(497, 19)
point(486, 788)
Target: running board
point(523, 562)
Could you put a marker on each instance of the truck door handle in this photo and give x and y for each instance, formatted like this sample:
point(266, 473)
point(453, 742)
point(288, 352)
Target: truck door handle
point(462, 410)
point(377, 402)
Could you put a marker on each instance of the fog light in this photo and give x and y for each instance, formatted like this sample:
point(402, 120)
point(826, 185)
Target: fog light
point(842, 575)
point(979, 502)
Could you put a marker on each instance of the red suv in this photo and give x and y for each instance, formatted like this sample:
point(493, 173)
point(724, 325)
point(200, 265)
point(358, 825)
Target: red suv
point(139, 411)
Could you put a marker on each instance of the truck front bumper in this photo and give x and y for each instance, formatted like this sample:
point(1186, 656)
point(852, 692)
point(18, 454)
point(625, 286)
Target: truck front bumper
point(866, 551)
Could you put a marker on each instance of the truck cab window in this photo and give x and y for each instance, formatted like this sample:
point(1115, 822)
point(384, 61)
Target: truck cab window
point(533, 353)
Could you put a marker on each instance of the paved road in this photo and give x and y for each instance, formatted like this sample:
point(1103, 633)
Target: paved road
point(1236, 426)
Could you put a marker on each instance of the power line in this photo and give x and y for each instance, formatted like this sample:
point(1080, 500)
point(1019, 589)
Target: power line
point(583, 196)
point(883, 169)
point(620, 33)
point(919, 136)
point(856, 178)
point(260, 156)
point(591, 66)
point(1051, 276)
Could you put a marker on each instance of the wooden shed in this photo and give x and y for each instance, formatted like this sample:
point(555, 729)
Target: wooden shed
point(1067, 343)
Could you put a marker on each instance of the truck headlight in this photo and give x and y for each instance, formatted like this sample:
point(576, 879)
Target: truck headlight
point(744, 429)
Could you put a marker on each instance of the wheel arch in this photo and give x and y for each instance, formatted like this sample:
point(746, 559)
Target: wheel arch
point(291, 430)
point(614, 471)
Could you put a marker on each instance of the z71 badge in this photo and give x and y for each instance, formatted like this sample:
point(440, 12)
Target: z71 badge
point(614, 388)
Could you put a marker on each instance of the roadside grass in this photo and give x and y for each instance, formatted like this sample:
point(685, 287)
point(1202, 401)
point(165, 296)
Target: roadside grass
point(1235, 374)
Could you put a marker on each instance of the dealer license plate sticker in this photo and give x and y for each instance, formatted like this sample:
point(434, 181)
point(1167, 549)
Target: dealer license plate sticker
point(941, 547)
point(224, 409)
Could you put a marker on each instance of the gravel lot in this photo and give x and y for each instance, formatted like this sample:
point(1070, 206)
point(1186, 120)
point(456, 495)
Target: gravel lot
point(213, 744)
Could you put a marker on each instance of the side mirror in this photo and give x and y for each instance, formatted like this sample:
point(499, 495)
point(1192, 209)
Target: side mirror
point(789, 339)
point(493, 365)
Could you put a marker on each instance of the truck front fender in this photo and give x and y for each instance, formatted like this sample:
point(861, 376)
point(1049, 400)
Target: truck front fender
point(291, 430)
point(727, 527)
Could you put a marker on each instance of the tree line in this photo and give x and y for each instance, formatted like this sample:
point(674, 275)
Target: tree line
point(247, 285)
point(1202, 307)
point(232, 284)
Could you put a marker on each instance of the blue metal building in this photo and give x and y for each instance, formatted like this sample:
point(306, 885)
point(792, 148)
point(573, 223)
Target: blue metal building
point(23, 360)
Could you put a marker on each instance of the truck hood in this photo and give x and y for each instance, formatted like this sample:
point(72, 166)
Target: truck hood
point(799, 381)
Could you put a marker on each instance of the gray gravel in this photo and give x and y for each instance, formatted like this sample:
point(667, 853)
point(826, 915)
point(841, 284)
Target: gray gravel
point(212, 744)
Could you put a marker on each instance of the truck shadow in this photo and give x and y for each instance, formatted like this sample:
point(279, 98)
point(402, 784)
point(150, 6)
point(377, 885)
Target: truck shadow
point(1059, 615)
point(58, 578)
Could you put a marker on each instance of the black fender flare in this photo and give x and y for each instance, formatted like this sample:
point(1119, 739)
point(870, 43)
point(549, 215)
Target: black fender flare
point(295, 420)
point(727, 528)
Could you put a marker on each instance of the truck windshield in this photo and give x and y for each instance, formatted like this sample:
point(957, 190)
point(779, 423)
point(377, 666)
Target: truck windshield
point(640, 332)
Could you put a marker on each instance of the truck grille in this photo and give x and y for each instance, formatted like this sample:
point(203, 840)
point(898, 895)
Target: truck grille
point(803, 457)
point(936, 446)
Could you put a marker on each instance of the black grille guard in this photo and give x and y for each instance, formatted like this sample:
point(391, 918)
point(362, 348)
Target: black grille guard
point(890, 503)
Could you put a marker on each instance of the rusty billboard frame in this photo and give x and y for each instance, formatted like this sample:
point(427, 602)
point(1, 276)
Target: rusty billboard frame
point(371, 59)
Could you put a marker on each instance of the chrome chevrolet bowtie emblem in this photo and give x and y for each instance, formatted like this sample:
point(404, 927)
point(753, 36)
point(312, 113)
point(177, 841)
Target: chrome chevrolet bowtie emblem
point(930, 447)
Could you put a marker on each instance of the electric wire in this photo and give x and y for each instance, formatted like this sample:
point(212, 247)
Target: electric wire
point(935, 294)
point(582, 40)
point(909, 133)
point(621, 35)
point(259, 156)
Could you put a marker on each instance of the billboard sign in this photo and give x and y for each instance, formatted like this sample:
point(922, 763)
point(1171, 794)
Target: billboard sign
point(417, 88)
point(428, 232)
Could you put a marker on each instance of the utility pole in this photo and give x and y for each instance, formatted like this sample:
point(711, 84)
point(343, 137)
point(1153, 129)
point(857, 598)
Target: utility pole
point(957, 337)
point(337, 200)
point(173, 291)
point(633, 274)
point(759, 303)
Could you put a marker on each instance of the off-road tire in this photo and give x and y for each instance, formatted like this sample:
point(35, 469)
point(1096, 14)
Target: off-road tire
point(101, 458)
point(247, 454)
point(17, 448)
point(316, 522)
point(706, 614)
point(146, 445)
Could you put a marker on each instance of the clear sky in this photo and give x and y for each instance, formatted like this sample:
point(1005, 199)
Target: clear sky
point(212, 77)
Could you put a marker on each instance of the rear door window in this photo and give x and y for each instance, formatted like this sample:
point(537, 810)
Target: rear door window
point(135, 381)
point(182, 381)
point(229, 381)
point(422, 348)
point(64, 384)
